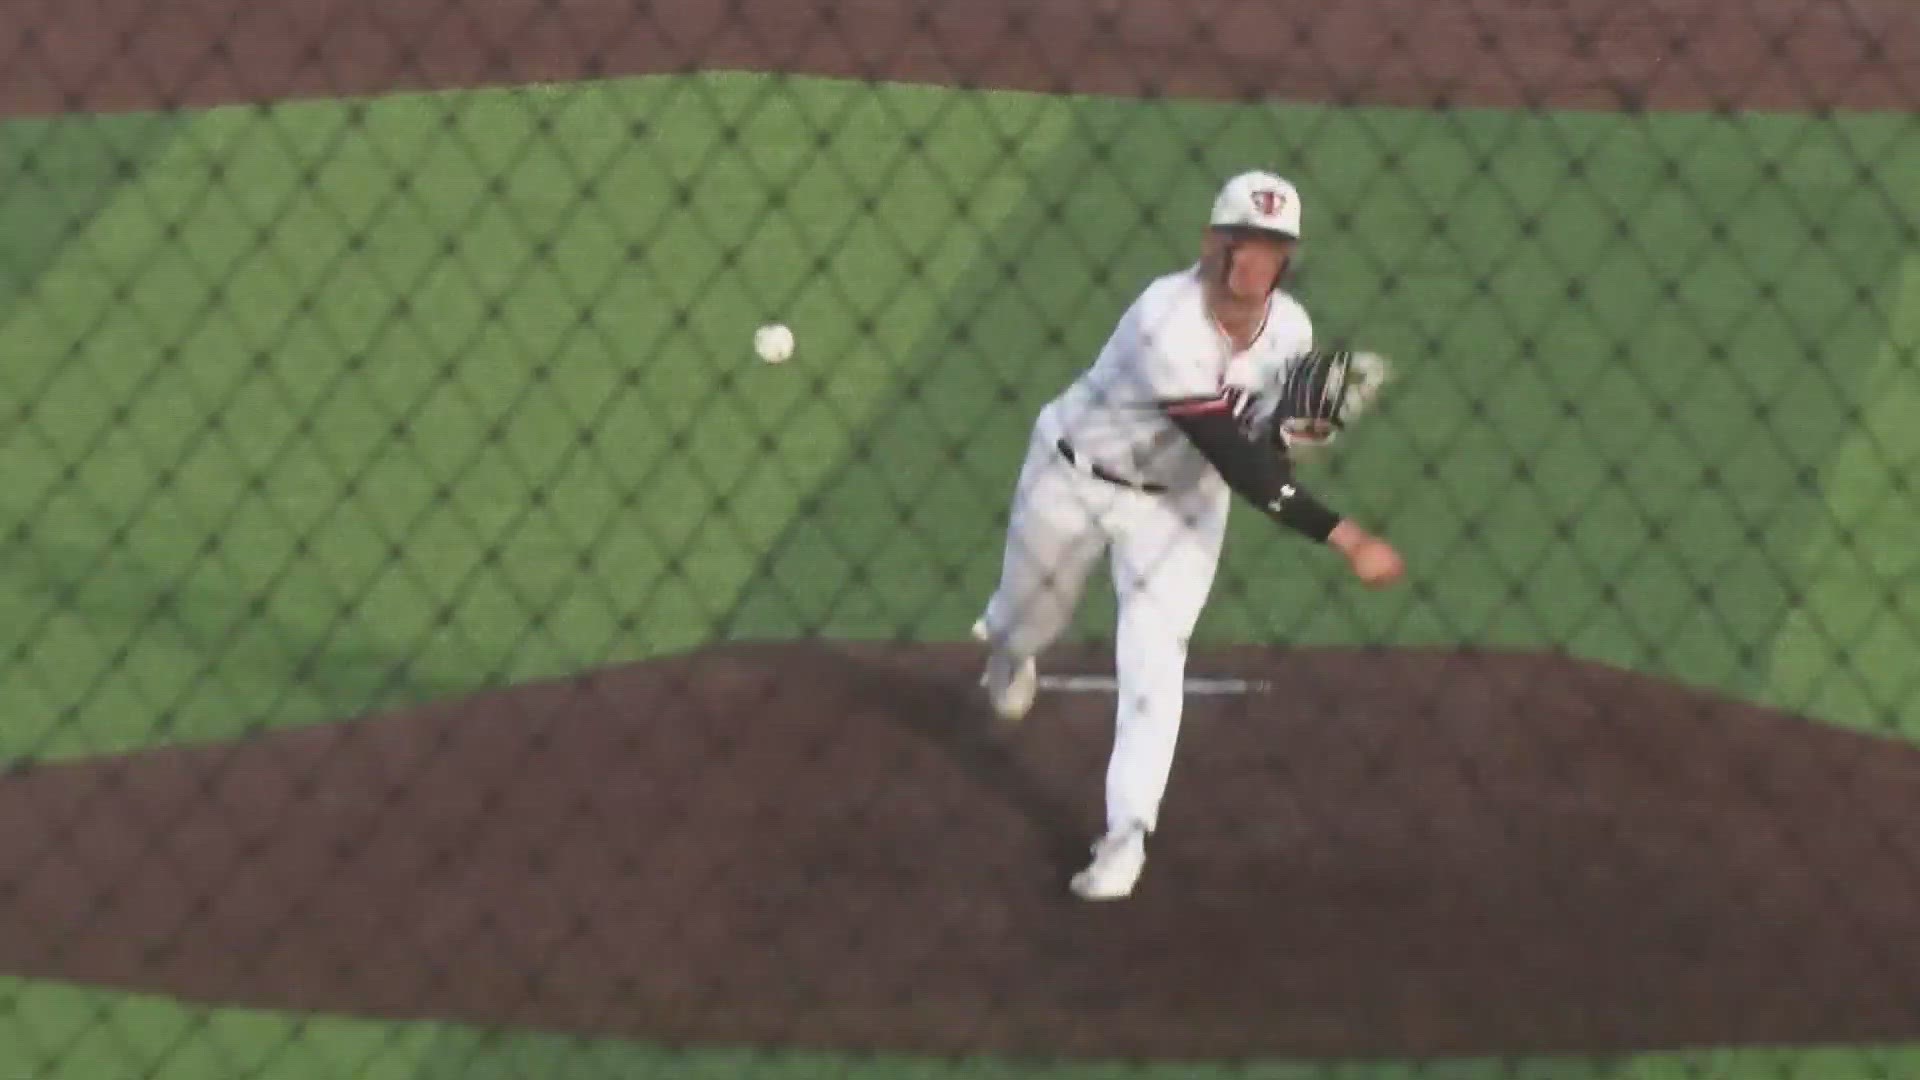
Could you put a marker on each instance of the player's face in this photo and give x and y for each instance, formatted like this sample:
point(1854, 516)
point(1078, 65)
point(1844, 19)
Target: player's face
point(1257, 260)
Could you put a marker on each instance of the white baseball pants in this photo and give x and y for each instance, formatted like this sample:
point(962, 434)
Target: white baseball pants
point(1165, 550)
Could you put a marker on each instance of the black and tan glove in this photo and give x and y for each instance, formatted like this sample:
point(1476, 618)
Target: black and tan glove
point(1322, 393)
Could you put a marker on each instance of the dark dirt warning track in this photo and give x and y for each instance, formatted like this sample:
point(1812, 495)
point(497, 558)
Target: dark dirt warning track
point(820, 845)
point(1607, 54)
point(816, 845)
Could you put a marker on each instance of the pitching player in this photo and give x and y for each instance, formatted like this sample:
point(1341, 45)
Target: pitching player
point(1200, 391)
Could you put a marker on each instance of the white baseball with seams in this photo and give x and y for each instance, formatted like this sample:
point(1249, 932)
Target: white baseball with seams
point(774, 343)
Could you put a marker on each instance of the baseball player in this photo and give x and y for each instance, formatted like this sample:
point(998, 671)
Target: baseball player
point(1202, 389)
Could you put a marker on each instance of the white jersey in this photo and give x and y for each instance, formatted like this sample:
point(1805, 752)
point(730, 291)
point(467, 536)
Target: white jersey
point(1168, 348)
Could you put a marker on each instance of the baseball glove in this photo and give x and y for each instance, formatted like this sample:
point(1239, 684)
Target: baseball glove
point(1322, 392)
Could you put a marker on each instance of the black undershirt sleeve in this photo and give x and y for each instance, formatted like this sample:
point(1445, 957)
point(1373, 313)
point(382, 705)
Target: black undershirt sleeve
point(1258, 474)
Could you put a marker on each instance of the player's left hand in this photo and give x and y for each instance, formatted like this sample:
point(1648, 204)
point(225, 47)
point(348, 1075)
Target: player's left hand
point(1323, 392)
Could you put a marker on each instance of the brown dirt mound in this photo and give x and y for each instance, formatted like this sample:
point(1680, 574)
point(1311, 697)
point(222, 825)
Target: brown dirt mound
point(1776, 54)
point(814, 845)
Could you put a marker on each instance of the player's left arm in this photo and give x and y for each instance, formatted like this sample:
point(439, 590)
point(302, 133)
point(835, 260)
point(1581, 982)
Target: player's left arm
point(1312, 393)
point(1320, 394)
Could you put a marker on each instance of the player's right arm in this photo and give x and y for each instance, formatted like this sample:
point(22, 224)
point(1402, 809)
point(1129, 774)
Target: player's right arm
point(1211, 419)
point(1263, 475)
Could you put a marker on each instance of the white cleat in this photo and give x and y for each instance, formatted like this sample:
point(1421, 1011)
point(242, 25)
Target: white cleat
point(1118, 858)
point(1011, 684)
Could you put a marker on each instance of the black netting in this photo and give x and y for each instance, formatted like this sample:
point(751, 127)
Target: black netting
point(440, 647)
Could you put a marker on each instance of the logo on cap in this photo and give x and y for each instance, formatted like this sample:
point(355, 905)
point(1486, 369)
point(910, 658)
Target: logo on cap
point(1269, 201)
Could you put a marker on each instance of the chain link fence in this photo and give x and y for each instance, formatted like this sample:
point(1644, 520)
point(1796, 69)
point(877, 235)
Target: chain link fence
point(440, 647)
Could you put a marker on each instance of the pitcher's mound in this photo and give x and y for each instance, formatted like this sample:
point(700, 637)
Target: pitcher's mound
point(1361, 853)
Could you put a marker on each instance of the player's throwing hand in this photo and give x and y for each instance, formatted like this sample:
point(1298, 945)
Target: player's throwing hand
point(1374, 561)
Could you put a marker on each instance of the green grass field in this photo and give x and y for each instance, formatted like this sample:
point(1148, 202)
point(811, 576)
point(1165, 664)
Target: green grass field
point(328, 408)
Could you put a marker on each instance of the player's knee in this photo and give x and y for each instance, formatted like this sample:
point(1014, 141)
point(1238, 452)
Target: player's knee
point(1154, 632)
point(1150, 660)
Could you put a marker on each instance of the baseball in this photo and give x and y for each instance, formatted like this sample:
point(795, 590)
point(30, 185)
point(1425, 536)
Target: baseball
point(774, 342)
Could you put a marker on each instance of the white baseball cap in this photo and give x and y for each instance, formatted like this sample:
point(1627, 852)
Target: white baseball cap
point(1258, 200)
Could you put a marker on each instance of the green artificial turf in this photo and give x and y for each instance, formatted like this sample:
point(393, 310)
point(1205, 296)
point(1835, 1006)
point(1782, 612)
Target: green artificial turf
point(442, 392)
point(327, 408)
point(61, 1033)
